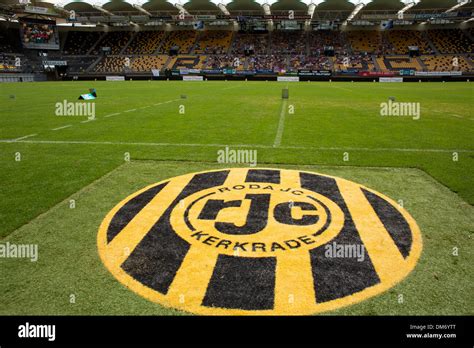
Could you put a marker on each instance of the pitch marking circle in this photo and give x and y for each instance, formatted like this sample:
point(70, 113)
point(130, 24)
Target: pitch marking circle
point(258, 241)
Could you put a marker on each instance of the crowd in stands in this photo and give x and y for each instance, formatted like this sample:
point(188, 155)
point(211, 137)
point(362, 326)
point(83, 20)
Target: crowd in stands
point(245, 43)
point(214, 42)
point(304, 62)
point(327, 38)
point(224, 61)
point(272, 62)
point(276, 51)
point(291, 42)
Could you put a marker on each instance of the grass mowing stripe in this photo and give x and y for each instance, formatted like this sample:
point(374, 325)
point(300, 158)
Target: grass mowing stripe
point(234, 145)
point(281, 124)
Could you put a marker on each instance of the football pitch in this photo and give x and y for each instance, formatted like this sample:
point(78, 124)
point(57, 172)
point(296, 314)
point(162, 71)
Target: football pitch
point(62, 174)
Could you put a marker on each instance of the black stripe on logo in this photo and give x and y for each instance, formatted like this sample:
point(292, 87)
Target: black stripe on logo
point(394, 222)
point(336, 277)
point(157, 258)
point(242, 283)
point(127, 212)
point(263, 175)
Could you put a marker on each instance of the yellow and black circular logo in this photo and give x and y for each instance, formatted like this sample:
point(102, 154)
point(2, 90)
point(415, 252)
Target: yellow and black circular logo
point(258, 241)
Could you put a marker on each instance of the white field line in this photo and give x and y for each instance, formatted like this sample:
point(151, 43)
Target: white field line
point(455, 115)
point(110, 115)
point(464, 118)
point(281, 124)
point(88, 120)
point(26, 136)
point(67, 126)
point(259, 146)
point(130, 110)
point(166, 102)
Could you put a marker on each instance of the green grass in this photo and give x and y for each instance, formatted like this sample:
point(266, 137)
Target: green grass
point(330, 119)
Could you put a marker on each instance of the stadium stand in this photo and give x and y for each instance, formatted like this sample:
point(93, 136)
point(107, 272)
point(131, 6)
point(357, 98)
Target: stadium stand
point(321, 38)
point(447, 63)
point(341, 51)
point(187, 62)
point(111, 64)
point(358, 62)
point(293, 42)
point(147, 63)
point(401, 39)
point(391, 63)
point(224, 61)
point(214, 42)
point(116, 40)
point(310, 63)
point(145, 42)
point(183, 40)
point(365, 41)
point(9, 41)
point(256, 43)
point(451, 41)
point(79, 42)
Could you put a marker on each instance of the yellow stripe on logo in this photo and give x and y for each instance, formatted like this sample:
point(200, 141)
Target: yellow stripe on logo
point(118, 250)
point(384, 254)
point(190, 283)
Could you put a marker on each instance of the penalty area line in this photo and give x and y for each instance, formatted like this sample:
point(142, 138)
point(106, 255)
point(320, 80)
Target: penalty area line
point(258, 146)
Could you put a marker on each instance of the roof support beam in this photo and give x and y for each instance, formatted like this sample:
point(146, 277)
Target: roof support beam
point(223, 9)
point(266, 9)
point(408, 5)
point(354, 12)
point(455, 7)
point(142, 10)
point(181, 8)
point(103, 10)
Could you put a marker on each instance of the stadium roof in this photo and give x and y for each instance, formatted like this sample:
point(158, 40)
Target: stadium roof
point(316, 9)
point(243, 5)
